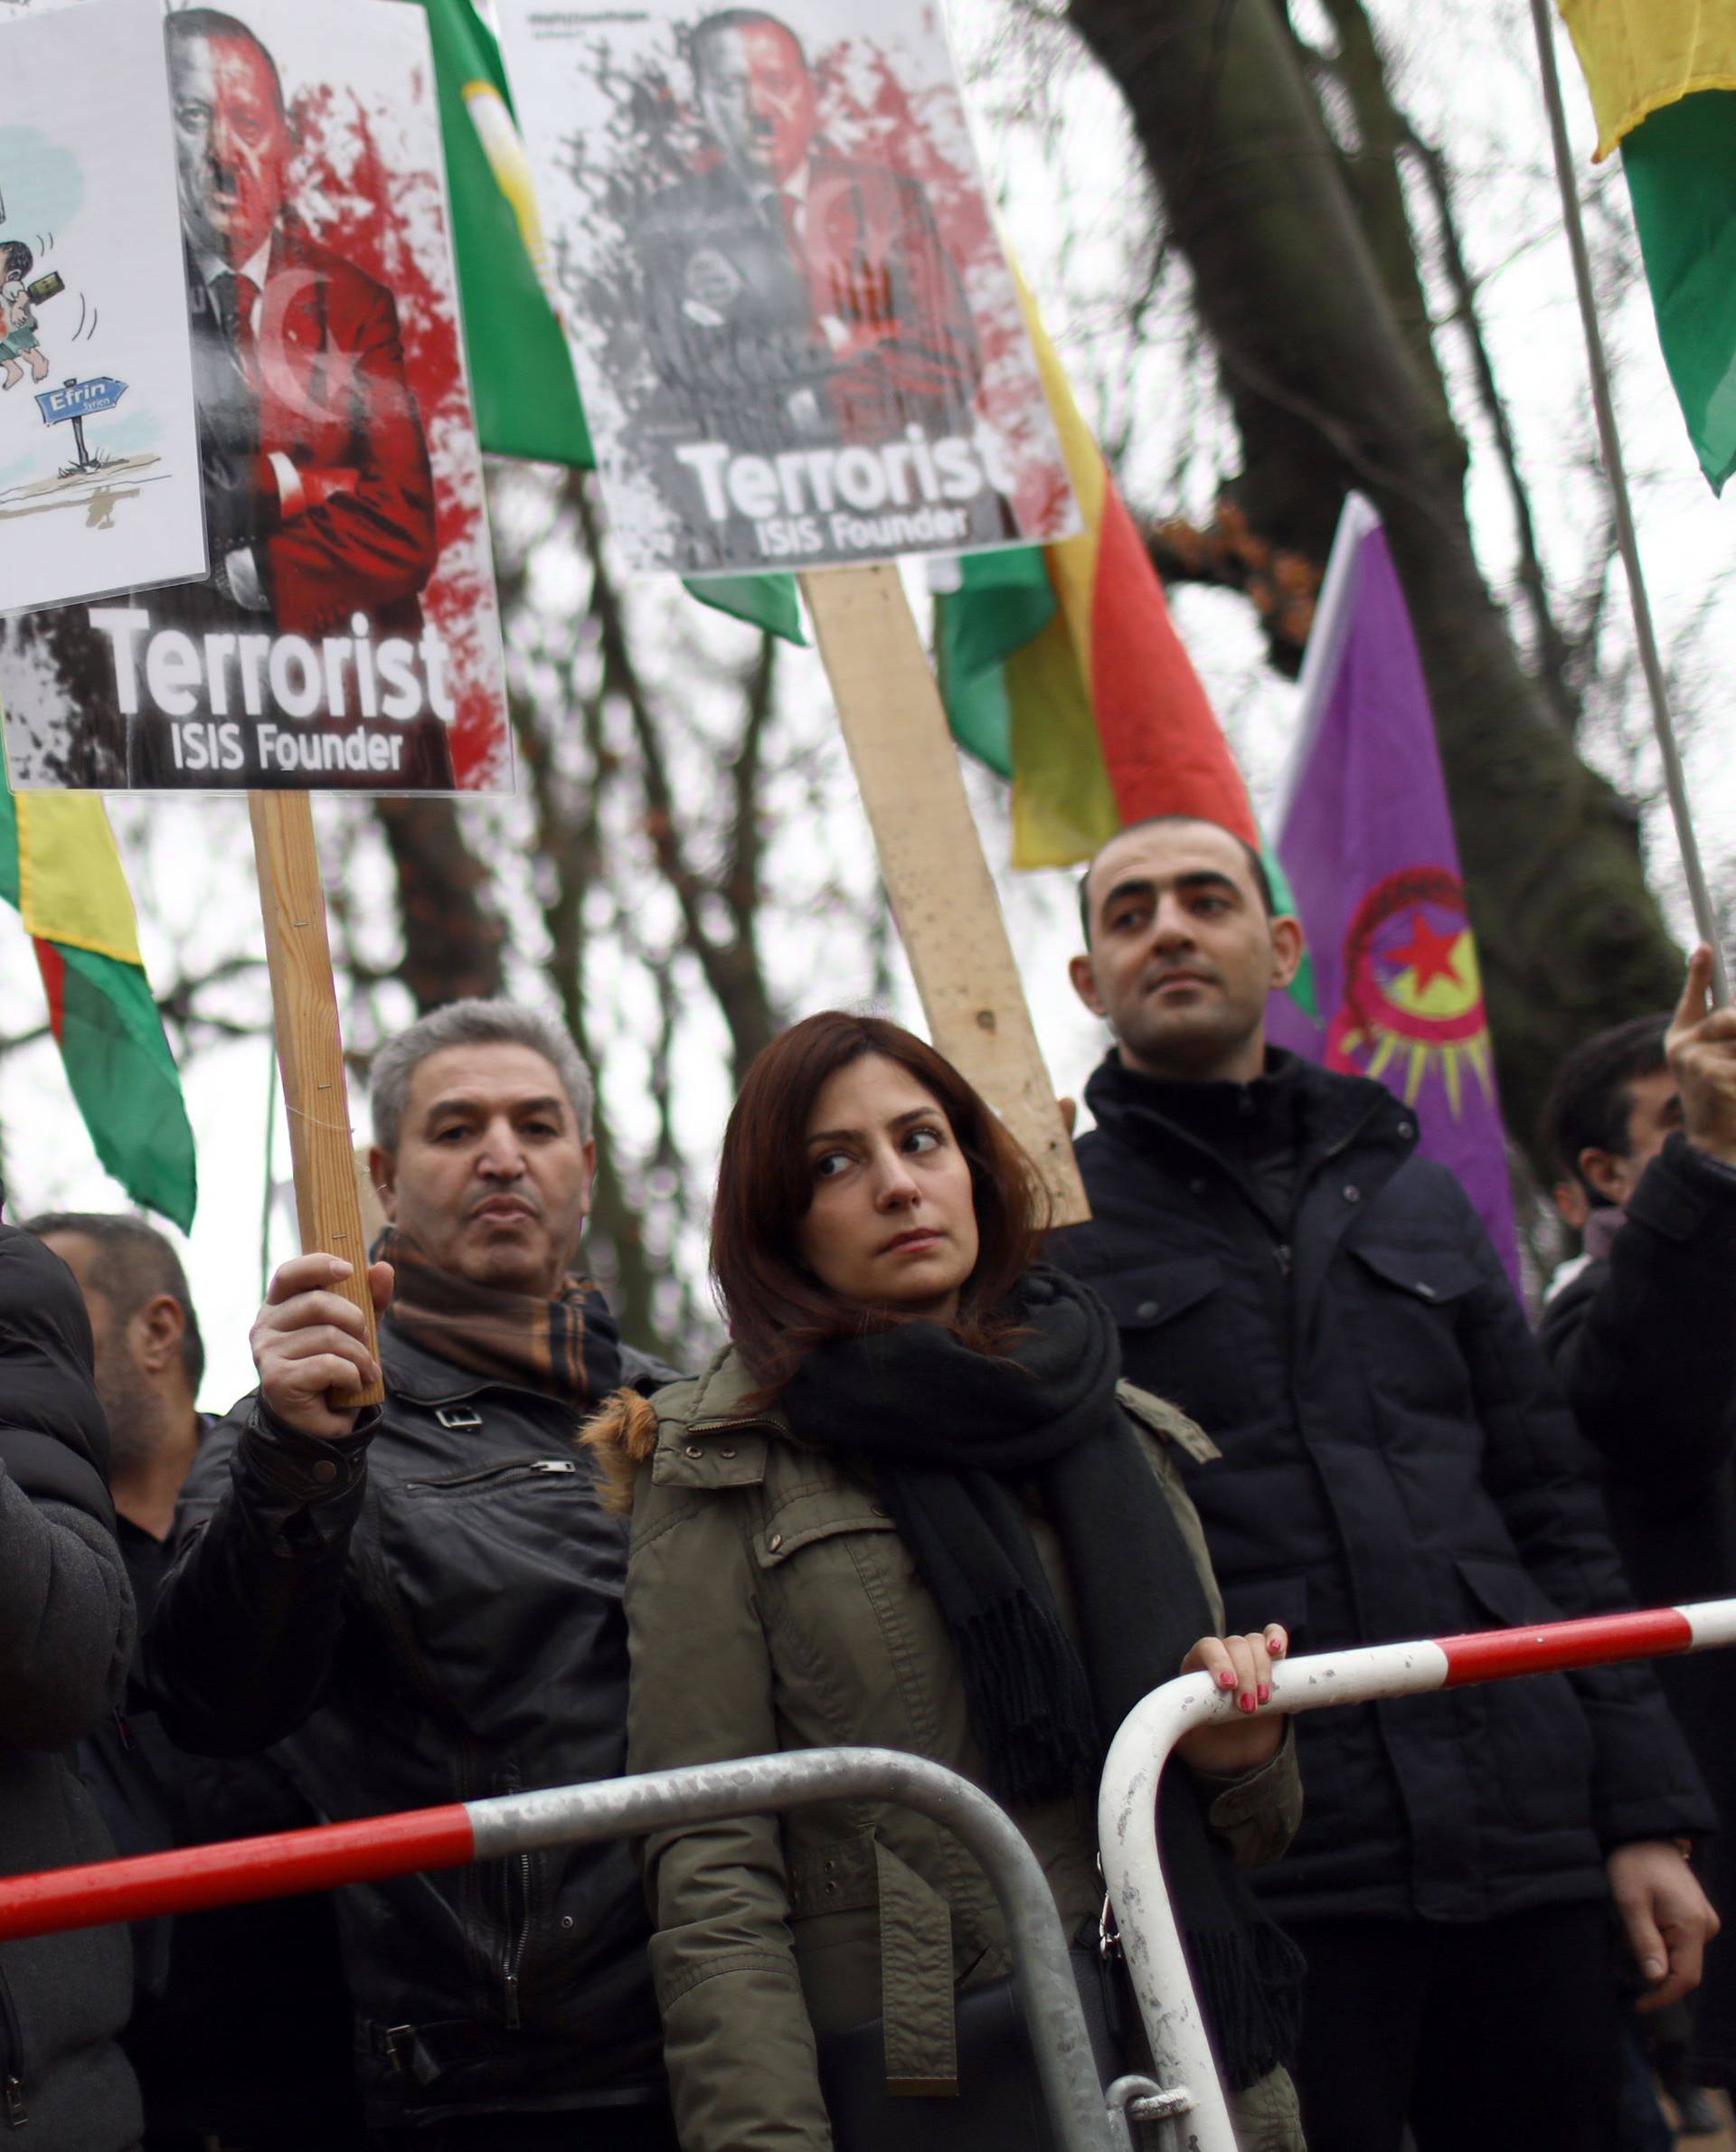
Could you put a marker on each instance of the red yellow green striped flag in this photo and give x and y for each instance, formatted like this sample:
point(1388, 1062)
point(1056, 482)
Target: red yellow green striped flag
point(60, 867)
point(1662, 75)
point(1060, 667)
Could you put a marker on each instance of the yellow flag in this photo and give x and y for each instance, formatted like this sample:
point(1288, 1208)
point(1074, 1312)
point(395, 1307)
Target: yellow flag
point(71, 888)
point(1639, 55)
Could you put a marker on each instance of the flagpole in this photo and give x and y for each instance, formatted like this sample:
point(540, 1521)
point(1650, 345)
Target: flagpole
point(1704, 918)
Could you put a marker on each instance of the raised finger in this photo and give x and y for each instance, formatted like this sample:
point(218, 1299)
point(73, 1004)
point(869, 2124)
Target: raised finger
point(1696, 992)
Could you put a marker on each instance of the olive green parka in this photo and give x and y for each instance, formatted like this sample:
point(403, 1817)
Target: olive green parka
point(772, 1605)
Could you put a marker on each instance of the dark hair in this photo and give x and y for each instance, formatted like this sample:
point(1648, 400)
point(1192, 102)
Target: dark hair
point(1256, 866)
point(776, 1309)
point(16, 259)
point(1589, 1103)
point(133, 1264)
point(188, 22)
point(738, 18)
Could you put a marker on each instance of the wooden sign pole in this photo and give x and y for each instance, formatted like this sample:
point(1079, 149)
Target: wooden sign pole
point(931, 858)
point(310, 1051)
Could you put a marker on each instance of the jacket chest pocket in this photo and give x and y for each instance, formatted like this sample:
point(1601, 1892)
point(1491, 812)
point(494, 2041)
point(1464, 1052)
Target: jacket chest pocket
point(1407, 1311)
point(1181, 1337)
point(857, 1642)
point(504, 1579)
point(805, 1521)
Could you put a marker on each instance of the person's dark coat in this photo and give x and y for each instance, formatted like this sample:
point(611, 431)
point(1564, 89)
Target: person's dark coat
point(1644, 1345)
point(1396, 1464)
point(431, 1614)
point(212, 1990)
point(66, 1631)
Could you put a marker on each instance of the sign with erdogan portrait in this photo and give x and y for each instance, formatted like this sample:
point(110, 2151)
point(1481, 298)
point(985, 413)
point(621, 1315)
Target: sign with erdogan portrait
point(797, 336)
point(345, 636)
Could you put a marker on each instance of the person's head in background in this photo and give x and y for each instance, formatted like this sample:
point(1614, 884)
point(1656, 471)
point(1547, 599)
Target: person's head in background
point(149, 1357)
point(1614, 1105)
point(1183, 944)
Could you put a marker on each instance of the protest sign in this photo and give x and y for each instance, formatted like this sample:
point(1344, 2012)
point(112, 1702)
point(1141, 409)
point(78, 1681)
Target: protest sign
point(794, 331)
point(99, 481)
point(346, 636)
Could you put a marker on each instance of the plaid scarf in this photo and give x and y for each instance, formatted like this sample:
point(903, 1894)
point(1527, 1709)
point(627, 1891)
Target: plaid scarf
point(567, 1348)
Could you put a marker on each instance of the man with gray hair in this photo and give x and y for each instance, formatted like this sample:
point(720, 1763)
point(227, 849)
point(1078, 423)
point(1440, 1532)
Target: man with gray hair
point(421, 1603)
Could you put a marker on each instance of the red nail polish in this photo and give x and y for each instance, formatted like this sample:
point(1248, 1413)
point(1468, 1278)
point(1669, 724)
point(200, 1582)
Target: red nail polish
point(1226, 1680)
point(1247, 1703)
point(1265, 1692)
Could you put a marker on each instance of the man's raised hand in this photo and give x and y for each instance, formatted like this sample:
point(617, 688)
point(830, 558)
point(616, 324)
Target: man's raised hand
point(309, 1345)
point(1701, 1044)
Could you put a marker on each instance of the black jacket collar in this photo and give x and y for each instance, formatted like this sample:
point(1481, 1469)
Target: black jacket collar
point(1142, 1111)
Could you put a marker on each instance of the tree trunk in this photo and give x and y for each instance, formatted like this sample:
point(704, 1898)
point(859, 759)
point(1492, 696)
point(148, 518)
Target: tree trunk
point(1330, 392)
point(453, 937)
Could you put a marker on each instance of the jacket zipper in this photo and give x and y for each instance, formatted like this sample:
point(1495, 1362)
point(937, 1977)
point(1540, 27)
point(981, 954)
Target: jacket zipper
point(516, 1951)
point(11, 2086)
point(518, 1931)
point(540, 1467)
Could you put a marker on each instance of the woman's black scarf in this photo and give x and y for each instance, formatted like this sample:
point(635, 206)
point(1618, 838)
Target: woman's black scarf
point(952, 1435)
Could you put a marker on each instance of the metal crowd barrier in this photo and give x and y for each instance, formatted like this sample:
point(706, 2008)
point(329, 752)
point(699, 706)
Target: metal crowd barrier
point(1083, 2116)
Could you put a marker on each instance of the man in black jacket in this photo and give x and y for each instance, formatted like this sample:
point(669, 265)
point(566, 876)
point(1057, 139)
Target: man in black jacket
point(422, 1604)
point(1641, 1338)
point(1396, 1464)
point(66, 1630)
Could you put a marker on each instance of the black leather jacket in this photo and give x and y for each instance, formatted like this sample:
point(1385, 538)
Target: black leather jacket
point(431, 1613)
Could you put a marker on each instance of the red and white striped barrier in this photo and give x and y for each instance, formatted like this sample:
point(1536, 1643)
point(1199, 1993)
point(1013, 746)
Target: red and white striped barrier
point(452, 1836)
point(1126, 1812)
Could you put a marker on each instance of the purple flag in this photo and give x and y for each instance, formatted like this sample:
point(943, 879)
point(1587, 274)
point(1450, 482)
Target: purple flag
point(1367, 842)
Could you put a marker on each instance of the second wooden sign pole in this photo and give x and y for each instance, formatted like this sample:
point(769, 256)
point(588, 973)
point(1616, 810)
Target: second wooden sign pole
point(931, 860)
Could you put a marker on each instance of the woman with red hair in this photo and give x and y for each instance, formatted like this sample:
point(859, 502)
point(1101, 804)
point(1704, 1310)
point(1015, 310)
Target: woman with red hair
point(911, 1506)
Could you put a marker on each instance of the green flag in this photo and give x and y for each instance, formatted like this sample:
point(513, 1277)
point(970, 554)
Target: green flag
point(1681, 165)
point(60, 867)
point(521, 372)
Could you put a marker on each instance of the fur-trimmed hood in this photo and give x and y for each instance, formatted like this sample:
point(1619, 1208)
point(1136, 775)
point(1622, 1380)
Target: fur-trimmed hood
point(621, 1437)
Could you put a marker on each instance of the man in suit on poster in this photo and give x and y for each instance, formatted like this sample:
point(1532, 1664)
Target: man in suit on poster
point(791, 285)
point(320, 492)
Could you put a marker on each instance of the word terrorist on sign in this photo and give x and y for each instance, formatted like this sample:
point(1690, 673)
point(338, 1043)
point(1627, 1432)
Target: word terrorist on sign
point(783, 496)
point(205, 683)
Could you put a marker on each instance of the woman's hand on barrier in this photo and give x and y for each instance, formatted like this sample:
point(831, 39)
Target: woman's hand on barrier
point(1232, 1748)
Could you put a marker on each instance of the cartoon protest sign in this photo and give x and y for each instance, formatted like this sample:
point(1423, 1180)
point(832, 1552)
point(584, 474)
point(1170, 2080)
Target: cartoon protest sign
point(794, 331)
point(99, 486)
point(346, 636)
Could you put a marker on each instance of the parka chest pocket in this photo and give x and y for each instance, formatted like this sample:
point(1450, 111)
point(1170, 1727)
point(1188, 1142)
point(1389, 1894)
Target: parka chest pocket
point(807, 1521)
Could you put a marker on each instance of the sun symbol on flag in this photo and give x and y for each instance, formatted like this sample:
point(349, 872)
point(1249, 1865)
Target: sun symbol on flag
point(1413, 987)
